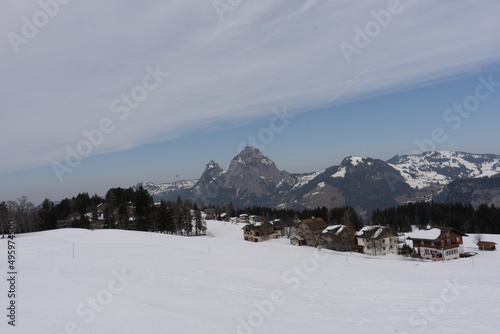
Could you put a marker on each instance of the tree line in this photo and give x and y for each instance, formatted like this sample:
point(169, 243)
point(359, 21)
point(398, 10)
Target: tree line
point(465, 218)
point(128, 208)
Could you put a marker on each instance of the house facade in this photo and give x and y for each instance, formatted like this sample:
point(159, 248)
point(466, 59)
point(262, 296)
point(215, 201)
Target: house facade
point(438, 243)
point(338, 237)
point(259, 232)
point(376, 240)
point(310, 230)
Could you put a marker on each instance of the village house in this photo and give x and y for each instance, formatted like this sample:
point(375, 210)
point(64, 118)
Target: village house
point(376, 240)
point(258, 232)
point(438, 243)
point(338, 237)
point(486, 245)
point(101, 208)
point(310, 230)
point(210, 214)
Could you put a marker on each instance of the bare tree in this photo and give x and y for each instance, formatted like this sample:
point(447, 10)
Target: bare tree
point(21, 211)
point(4, 217)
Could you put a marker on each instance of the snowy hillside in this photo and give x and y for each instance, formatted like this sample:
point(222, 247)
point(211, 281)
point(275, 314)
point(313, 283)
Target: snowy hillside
point(163, 189)
point(442, 167)
point(135, 282)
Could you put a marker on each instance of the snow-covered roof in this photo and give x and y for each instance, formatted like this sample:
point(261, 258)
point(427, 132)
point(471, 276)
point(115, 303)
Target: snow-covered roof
point(379, 231)
point(371, 231)
point(431, 234)
point(366, 229)
point(336, 228)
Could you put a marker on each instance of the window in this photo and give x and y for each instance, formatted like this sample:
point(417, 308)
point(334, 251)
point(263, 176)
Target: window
point(426, 251)
point(442, 242)
point(458, 239)
point(384, 248)
point(432, 243)
point(421, 242)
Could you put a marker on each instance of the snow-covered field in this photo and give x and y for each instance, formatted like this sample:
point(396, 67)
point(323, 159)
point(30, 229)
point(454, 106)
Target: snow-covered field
point(134, 282)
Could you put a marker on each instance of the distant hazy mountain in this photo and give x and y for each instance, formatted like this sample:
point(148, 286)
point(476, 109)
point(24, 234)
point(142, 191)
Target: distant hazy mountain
point(484, 190)
point(363, 183)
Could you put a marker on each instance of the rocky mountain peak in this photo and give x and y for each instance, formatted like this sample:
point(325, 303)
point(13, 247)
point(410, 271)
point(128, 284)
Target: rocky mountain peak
point(212, 165)
point(253, 172)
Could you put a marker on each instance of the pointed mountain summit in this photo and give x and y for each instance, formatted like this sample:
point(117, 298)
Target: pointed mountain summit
point(210, 181)
point(253, 173)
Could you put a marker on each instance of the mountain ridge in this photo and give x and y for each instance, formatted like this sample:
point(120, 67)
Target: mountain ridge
point(361, 182)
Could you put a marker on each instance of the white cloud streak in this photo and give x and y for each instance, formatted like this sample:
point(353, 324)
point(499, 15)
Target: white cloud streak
point(263, 55)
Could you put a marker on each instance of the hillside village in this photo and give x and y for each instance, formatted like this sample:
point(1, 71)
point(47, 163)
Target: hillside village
point(434, 243)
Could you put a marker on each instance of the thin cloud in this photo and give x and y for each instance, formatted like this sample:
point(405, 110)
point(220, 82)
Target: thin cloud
point(262, 56)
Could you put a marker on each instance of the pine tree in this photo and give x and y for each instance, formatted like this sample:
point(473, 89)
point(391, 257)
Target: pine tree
point(198, 224)
point(84, 222)
point(142, 202)
point(47, 216)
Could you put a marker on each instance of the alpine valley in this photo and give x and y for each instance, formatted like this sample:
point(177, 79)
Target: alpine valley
point(360, 182)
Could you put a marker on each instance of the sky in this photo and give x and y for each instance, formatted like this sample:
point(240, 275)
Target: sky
point(104, 94)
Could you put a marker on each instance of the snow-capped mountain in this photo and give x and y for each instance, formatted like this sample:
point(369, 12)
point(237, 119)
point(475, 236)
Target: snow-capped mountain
point(168, 190)
point(361, 182)
point(441, 167)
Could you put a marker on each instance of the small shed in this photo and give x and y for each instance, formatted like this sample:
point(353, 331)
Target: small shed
point(486, 245)
point(298, 240)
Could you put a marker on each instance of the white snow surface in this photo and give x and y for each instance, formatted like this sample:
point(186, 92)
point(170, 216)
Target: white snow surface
point(304, 179)
point(220, 283)
point(340, 173)
point(356, 160)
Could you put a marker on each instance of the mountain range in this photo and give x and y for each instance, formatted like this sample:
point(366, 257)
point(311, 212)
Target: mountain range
point(360, 182)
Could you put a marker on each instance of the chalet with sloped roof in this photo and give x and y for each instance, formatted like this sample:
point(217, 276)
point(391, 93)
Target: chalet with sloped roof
point(338, 237)
point(258, 232)
point(310, 230)
point(438, 243)
point(376, 240)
